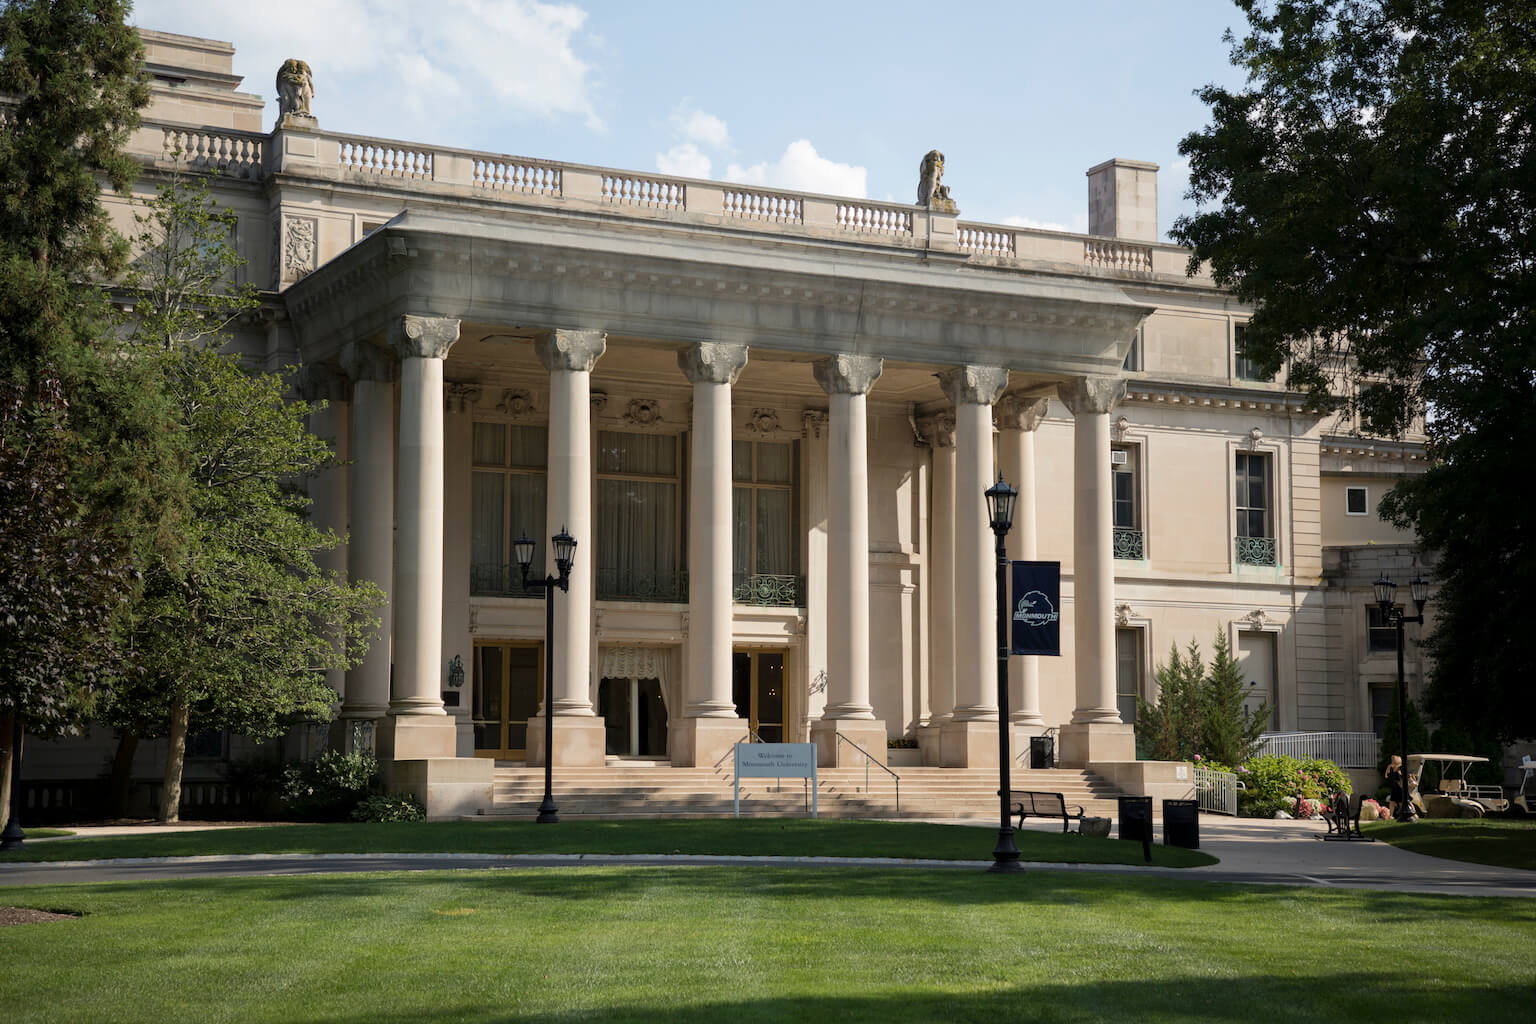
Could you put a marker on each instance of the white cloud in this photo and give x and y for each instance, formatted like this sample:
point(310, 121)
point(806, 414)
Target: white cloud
point(802, 168)
point(684, 160)
point(697, 126)
point(518, 56)
point(1079, 224)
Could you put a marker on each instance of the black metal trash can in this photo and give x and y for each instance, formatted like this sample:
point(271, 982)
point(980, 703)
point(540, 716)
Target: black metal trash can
point(1181, 823)
point(1042, 752)
point(1136, 818)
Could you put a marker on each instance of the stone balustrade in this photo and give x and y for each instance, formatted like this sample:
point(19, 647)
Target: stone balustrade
point(250, 156)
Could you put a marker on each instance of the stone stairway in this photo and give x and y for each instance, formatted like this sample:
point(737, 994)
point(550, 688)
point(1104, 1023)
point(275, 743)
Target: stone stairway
point(640, 789)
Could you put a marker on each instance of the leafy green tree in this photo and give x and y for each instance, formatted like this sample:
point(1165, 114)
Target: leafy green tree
point(1418, 735)
point(1369, 191)
point(1170, 730)
point(1229, 731)
point(237, 626)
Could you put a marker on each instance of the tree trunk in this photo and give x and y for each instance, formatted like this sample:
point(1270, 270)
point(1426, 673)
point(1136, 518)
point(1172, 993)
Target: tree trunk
point(122, 772)
point(175, 756)
point(7, 727)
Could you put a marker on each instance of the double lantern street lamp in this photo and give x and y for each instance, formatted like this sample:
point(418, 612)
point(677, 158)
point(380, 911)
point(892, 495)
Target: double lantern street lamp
point(1000, 502)
point(565, 553)
point(1391, 614)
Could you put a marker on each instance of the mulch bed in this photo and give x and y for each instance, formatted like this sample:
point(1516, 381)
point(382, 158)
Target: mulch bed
point(26, 915)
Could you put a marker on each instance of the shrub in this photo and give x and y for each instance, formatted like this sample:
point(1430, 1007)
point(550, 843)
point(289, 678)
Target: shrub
point(390, 807)
point(327, 788)
point(1272, 780)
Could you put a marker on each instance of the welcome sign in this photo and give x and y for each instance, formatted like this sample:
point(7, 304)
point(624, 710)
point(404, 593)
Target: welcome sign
point(1036, 626)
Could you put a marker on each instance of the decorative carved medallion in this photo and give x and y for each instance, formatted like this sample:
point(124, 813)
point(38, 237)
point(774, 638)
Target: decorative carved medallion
point(515, 402)
point(938, 429)
point(300, 252)
point(1256, 619)
point(643, 412)
point(1122, 425)
point(763, 421)
point(1123, 614)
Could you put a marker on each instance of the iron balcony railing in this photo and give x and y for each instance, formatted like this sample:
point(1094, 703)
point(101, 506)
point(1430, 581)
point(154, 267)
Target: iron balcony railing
point(659, 586)
point(1256, 551)
point(1129, 544)
point(768, 591)
point(1345, 749)
point(761, 589)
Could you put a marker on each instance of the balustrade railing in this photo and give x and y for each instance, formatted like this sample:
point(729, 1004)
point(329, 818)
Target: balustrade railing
point(1255, 550)
point(1345, 749)
point(869, 219)
point(653, 193)
point(523, 176)
point(1112, 254)
point(232, 154)
point(390, 160)
point(769, 591)
point(763, 206)
point(1129, 544)
point(985, 241)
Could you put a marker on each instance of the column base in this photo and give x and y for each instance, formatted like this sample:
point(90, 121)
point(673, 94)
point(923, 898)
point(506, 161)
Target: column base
point(701, 742)
point(866, 733)
point(1081, 744)
point(448, 787)
point(968, 744)
point(930, 742)
point(580, 742)
point(411, 737)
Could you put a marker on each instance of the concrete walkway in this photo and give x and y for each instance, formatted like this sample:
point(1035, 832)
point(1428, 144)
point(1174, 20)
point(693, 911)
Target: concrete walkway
point(1250, 851)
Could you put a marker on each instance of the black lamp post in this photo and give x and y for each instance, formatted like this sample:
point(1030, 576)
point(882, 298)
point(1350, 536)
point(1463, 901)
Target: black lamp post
point(565, 553)
point(1000, 502)
point(1386, 591)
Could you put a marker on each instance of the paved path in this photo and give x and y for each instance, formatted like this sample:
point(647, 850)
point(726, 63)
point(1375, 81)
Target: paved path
point(1264, 852)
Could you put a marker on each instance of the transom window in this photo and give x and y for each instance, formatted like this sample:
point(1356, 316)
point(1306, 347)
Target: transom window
point(763, 553)
point(508, 490)
point(637, 551)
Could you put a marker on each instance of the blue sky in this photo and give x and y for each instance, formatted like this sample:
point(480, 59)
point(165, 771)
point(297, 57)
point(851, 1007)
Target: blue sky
point(837, 96)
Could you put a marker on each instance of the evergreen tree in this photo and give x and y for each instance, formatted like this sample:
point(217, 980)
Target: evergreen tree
point(1170, 730)
point(1229, 732)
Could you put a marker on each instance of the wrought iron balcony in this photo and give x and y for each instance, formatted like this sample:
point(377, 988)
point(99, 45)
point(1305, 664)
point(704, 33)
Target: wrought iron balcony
point(1256, 551)
point(490, 580)
point(1128, 544)
point(769, 591)
point(636, 585)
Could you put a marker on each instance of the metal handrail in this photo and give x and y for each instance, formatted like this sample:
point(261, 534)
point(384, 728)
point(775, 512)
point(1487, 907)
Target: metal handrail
point(867, 761)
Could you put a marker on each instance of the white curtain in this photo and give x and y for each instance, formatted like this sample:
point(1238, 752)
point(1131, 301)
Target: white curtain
point(641, 663)
point(637, 519)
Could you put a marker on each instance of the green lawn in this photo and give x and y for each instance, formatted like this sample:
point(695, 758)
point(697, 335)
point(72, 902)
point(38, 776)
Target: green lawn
point(706, 944)
point(1501, 842)
point(797, 837)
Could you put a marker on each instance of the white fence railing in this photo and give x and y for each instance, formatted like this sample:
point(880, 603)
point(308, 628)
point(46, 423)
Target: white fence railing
point(1216, 791)
point(1345, 749)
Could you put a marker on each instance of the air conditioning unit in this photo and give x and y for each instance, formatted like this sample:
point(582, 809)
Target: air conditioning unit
point(1119, 457)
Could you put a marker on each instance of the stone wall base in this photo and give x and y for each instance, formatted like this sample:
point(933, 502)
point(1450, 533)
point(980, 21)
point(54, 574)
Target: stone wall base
point(1160, 780)
point(580, 742)
point(449, 787)
point(413, 737)
point(968, 744)
point(867, 733)
point(1085, 744)
point(701, 742)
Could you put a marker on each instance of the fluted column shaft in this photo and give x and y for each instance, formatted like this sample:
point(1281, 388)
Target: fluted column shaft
point(847, 379)
point(1093, 566)
point(973, 389)
point(422, 344)
point(1017, 419)
point(712, 368)
point(371, 545)
point(569, 357)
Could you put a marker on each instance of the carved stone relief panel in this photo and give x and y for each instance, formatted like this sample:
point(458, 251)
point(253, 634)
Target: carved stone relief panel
point(300, 247)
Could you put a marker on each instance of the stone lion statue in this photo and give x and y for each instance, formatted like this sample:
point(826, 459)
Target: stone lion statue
point(295, 88)
point(930, 188)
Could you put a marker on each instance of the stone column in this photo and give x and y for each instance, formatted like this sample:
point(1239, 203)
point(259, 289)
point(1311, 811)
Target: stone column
point(940, 431)
point(417, 726)
point(321, 384)
point(1095, 732)
point(1018, 416)
point(710, 724)
point(969, 738)
point(459, 402)
point(371, 546)
point(569, 356)
point(847, 379)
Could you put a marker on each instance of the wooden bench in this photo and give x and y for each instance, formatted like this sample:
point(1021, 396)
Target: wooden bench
point(1029, 803)
point(1342, 825)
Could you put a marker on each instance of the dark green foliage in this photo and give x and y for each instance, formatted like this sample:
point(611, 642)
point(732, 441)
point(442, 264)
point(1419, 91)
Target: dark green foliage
point(329, 787)
point(1199, 714)
point(1230, 734)
point(1418, 735)
point(390, 807)
point(1270, 779)
point(1370, 191)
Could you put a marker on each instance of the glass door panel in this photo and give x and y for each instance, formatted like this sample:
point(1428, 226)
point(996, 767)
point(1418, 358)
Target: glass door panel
point(506, 695)
point(485, 710)
point(525, 682)
point(757, 687)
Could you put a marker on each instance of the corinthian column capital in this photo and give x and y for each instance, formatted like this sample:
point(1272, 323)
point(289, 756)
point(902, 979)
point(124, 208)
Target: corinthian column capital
point(1019, 412)
point(1091, 395)
point(848, 375)
point(712, 362)
point(939, 429)
point(571, 350)
point(424, 337)
point(973, 385)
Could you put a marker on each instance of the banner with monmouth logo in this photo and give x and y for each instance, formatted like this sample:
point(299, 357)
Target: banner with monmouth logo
point(1036, 604)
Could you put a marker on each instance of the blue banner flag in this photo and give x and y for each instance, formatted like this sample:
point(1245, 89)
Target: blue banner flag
point(1036, 608)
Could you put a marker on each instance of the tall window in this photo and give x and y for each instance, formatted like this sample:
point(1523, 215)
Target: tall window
point(1255, 525)
point(1126, 490)
point(763, 554)
point(1127, 672)
point(1380, 632)
point(1382, 698)
point(639, 528)
point(1243, 367)
point(507, 498)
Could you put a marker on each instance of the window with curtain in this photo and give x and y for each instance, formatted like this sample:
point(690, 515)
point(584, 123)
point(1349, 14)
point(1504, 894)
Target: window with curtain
point(763, 503)
point(639, 525)
point(507, 499)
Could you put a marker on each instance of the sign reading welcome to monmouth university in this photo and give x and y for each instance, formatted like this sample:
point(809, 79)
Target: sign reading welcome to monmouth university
point(775, 761)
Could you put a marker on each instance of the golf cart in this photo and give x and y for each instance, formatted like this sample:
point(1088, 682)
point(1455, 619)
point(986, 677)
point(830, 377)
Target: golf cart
point(1455, 797)
point(1525, 796)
